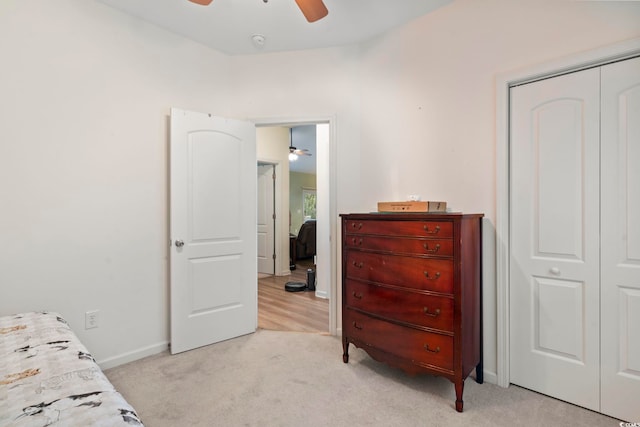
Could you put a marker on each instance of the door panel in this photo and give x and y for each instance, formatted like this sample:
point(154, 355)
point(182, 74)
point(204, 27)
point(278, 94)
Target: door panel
point(204, 295)
point(620, 286)
point(554, 271)
point(213, 229)
point(212, 156)
point(558, 203)
point(559, 319)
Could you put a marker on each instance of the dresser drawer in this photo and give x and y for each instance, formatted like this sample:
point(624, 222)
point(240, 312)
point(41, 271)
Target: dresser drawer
point(411, 272)
point(401, 228)
point(412, 344)
point(423, 246)
point(410, 307)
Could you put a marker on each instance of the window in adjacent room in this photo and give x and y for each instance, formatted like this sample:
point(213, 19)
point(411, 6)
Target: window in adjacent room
point(309, 204)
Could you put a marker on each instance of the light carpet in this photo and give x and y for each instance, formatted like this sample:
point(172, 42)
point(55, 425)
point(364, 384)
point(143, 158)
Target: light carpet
point(272, 378)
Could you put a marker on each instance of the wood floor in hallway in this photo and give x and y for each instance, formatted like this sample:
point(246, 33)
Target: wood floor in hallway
point(280, 310)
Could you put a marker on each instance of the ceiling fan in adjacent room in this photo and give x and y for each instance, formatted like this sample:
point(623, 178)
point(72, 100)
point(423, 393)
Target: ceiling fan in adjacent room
point(294, 153)
point(313, 10)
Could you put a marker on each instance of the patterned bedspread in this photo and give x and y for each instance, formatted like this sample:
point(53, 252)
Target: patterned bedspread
point(48, 378)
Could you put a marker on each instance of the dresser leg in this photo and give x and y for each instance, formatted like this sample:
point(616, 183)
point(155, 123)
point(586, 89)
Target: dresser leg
point(459, 388)
point(345, 350)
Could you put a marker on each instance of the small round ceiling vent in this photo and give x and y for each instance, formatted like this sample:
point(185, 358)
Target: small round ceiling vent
point(258, 40)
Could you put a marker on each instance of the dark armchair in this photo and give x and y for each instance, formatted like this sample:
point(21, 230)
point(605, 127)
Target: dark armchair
point(306, 241)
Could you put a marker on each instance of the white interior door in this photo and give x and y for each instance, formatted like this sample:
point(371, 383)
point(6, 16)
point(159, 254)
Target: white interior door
point(213, 229)
point(554, 269)
point(266, 219)
point(620, 286)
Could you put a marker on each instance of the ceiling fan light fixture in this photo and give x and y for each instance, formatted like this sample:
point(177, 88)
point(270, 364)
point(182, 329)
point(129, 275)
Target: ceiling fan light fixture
point(293, 157)
point(201, 2)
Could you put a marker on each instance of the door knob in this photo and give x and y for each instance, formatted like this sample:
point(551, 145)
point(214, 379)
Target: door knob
point(179, 243)
point(555, 270)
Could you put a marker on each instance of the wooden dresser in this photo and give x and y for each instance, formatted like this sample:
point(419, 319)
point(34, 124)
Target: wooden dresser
point(411, 292)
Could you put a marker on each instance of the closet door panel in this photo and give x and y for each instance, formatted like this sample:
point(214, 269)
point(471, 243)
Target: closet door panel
point(620, 222)
point(554, 271)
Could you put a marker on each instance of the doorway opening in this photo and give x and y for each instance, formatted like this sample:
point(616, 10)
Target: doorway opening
point(303, 197)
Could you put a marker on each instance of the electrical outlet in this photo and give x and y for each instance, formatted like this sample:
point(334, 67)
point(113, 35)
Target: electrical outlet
point(91, 319)
point(414, 197)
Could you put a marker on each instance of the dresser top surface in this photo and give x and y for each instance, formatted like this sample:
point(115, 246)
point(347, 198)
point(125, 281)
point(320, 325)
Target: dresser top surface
point(418, 216)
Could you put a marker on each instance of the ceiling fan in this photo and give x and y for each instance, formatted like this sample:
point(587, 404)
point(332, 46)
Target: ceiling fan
point(294, 153)
point(313, 10)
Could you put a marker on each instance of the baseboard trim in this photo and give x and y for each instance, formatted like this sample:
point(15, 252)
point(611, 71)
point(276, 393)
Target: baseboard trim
point(490, 377)
point(121, 359)
point(322, 294)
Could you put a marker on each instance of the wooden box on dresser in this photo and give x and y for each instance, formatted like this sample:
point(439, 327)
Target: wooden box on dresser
point(411, 292)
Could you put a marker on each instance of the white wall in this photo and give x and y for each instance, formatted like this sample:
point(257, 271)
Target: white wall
point(428, 102)
point(307, 85)
point(86, 92)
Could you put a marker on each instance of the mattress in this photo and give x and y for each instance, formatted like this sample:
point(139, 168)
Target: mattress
point(48, 378)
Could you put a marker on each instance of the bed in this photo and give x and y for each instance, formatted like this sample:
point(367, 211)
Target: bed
point(48, 378)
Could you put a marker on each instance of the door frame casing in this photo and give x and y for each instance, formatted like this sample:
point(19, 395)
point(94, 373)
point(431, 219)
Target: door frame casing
point(573, 63)
point(333, 209)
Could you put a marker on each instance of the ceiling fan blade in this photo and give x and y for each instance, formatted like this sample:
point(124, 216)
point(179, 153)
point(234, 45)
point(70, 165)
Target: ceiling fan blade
point(202, 2)
point(313, 10)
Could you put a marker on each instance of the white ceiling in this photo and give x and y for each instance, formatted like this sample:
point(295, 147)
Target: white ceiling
point(227, 25)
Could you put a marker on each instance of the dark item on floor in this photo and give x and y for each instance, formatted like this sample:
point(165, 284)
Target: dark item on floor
point(295, 286)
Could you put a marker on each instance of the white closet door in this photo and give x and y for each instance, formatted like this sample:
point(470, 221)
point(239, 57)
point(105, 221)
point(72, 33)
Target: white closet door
point(620, 223)
point(554, 270)
point(266, 219)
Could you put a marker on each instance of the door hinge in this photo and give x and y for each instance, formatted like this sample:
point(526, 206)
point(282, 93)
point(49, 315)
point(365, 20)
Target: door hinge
point(273, 176)
point(273, 256)
point(274, 216)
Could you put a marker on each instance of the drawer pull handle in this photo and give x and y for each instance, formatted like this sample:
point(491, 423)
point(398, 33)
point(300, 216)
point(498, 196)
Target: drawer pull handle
point(434, 231)
point(428, 277)
point(357, 296)
point(358, 226)
point(433, 314)
point(355, 325)
point(426, 347)
point(356, 241)
point(357, 264)
point(434, 250)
